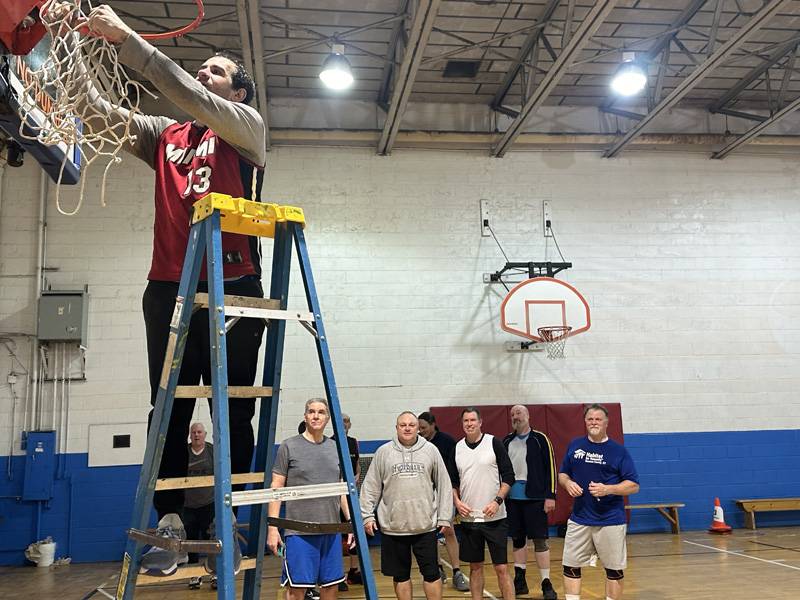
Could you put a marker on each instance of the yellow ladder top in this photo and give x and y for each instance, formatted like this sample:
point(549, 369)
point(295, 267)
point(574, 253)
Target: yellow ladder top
point(247, 217)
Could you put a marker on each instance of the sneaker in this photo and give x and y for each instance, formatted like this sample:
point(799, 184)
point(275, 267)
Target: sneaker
point(161, 562)
point(520, 585)
point(311, 594)
point(460, 581)
point(548, 593)
point(343, 587)
point(210, 562)
point(213, 582)
point(354, 577)
point(195, 583)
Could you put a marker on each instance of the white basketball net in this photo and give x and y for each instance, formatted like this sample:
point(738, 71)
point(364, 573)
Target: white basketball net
point(555, 339)
point(76, 63)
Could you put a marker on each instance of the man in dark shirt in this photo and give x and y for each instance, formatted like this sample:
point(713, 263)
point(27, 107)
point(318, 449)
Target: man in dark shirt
point(532, 498)
point(198, 504)
point(353, 574)
point(598, 473)
point(446, 446)
point(482, 476)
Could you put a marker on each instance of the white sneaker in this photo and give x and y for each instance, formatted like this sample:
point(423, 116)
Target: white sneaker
point(210, 562)
point(161, 562)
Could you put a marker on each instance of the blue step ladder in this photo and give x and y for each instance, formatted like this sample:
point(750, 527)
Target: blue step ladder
point(212, 215)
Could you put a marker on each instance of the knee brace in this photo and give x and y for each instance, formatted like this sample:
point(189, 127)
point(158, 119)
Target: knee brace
point(614, 574)
point(572, 572)
point(540, 545)
point(518, 542)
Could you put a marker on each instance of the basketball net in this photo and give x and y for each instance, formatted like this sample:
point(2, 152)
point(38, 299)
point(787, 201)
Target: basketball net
point(555, 339)
point(78, 68)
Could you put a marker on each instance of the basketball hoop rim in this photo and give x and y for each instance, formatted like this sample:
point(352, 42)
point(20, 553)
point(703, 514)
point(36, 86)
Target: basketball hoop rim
point(164, 35)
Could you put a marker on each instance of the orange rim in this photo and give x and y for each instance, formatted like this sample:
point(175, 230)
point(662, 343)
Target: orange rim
point(181, 31)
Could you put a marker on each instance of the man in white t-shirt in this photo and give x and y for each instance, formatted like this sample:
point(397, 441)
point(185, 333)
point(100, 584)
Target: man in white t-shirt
point(482, 476)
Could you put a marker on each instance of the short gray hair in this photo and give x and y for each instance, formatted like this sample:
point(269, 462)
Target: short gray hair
point(311, 401)
point(406, 412)
point(195, 424)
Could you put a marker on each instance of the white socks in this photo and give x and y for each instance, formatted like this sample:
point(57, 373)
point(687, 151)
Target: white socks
point(520, 566)
point(545, 573)
point(572, 597)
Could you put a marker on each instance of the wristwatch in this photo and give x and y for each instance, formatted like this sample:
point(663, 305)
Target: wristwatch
point(499, 500)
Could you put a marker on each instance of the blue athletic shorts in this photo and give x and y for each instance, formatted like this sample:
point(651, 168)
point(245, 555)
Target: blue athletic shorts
point(311, 560)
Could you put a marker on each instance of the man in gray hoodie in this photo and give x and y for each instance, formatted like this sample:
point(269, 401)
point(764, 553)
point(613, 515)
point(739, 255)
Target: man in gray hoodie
point(408, 484)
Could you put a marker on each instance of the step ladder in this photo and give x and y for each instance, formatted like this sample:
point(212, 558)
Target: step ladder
point(212, 215)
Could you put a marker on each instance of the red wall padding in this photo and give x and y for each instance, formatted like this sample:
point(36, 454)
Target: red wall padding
point(561, 422)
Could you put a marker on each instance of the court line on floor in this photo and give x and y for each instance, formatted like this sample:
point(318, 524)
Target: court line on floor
point(485, 591)
point(772, 562)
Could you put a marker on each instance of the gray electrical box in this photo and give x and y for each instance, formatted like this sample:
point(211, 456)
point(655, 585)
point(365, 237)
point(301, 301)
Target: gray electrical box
point(63, 316)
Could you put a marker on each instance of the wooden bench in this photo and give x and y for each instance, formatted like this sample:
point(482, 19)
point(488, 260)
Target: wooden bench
point(668, 510)
point(754, 505)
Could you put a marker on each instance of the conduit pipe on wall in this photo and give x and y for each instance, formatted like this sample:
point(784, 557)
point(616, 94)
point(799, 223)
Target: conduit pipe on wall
point(40, 258)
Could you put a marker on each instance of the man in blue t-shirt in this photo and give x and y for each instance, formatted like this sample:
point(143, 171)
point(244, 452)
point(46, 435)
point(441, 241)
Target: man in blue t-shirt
point(597, 472)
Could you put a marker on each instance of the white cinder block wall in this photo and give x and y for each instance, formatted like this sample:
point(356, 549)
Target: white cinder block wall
point(689, 266)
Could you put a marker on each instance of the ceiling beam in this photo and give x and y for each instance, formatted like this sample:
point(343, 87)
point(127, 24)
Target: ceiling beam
point(759, 19)
point(424, 16)
point(757, 129)
point(754, 74)
point(391, 54)
point(325, 39)
point(522, 55)
point(680, 21)
point(257, 33)
point(580, 38)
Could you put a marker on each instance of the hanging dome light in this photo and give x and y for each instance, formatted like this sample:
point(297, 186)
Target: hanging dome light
point(336, 72)
point(630, 77)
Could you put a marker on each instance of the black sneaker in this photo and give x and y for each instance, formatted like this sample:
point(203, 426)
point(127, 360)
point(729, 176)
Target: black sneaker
point(442, 574)
point(354, 577)
point(548, 593)
point(311, 594)
point(343, 587)
point(520, 585)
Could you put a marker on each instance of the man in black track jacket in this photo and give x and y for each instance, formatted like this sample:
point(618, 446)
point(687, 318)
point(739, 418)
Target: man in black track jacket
point(532, 497)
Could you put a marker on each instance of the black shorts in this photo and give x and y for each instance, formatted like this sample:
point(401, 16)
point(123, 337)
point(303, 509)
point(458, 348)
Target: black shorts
point(527, 519)
point(396, 556)
point(473, 536)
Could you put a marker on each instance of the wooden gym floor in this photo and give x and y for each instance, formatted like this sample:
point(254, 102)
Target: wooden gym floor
point(763, 564)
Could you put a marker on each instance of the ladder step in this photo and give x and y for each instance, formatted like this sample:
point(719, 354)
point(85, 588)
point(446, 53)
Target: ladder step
point(187, 572)
point(257, 308)
point(201, 300)
point(234, 391)
point(182, 483)
point(303, 492)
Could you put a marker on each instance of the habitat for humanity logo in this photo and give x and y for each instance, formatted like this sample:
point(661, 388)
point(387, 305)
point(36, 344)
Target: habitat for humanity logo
point(589, 457)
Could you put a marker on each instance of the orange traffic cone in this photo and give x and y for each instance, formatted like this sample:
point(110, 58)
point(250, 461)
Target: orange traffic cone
point(718, 522)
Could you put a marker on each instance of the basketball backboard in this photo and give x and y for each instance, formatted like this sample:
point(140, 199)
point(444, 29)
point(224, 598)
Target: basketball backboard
point(543, 302)
point(15, 73)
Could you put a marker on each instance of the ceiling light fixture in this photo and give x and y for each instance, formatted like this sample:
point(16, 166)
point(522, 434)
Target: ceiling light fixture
point(630, 77)
point(336, 72)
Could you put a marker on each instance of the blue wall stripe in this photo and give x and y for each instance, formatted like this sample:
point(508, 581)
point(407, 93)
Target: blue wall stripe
point(91, 507)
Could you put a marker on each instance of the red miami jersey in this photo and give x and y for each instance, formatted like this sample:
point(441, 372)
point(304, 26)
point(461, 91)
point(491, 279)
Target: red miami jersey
point(190, 162)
